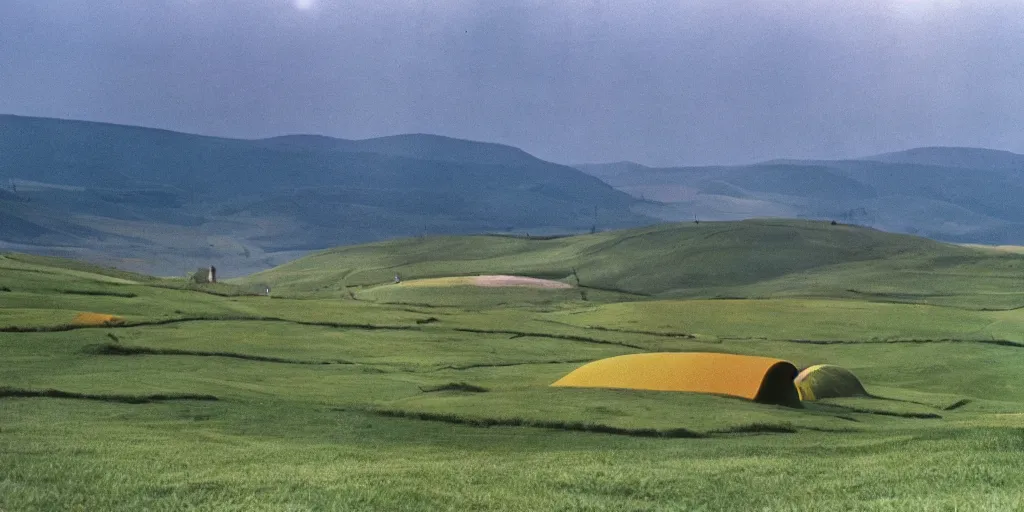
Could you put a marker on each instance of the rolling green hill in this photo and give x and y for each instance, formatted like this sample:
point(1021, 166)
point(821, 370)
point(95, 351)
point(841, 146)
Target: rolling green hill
point(756, 258)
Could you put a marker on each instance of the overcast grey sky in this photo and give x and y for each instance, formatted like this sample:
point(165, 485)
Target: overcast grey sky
point(658, 82)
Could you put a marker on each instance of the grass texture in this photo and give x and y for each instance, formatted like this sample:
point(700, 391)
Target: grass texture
point(344, 393)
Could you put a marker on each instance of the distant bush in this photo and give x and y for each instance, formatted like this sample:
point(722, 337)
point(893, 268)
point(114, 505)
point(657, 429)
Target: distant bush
point(218, 289)
point(7, 392)
point(116, 349)
point(956, 405)
point(100, 293)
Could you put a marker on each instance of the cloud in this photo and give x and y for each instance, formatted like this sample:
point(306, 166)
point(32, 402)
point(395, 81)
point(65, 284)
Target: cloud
point(659, 81)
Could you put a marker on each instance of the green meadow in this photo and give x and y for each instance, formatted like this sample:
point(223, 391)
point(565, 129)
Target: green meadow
point(345, 391)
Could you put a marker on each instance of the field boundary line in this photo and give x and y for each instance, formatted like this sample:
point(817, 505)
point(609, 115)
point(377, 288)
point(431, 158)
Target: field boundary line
point(568, 337)
point(9, 392)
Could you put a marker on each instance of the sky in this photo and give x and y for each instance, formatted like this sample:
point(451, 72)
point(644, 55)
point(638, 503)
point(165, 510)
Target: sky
point(660, 82)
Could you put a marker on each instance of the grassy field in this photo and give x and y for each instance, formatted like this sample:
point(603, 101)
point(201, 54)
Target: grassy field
point(342, 392)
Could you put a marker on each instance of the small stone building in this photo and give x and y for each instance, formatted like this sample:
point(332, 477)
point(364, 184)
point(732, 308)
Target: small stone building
point(204, 275)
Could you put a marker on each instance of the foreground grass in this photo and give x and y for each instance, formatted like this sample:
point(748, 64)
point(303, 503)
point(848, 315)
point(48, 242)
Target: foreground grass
point(278, 456)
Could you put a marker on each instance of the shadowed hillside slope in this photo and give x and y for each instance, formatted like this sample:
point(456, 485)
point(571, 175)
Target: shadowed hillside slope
point(162, 201)
point(99, 155)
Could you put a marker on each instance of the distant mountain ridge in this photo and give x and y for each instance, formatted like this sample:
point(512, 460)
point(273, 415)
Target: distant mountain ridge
point(963, 157)
point(155, 200)
point(99, 154)
point(163, 202)
point(419, 145)
point(946, 193)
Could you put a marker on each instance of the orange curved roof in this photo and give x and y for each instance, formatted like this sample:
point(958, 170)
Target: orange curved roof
point(699, 372)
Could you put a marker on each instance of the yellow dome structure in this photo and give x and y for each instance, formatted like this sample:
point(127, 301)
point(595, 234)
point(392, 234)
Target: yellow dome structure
point(828, 381)
point(761, 379)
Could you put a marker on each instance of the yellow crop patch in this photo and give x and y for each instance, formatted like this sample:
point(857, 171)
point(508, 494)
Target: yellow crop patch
point(487, 281)
point(440, 282)
point(97, 319)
